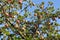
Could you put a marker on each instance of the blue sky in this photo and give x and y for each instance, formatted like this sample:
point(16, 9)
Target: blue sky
point(56, 2)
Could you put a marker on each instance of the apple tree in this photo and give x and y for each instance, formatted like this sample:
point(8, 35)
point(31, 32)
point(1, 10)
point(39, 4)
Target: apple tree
point(18, 23)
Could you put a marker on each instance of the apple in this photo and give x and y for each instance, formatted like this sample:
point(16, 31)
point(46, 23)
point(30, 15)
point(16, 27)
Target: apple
point(36, 26)
point(49, 23)
point(7, 14)
point(6, 25)
point(35, 14)
point(7, 19)
point(23, 28)
point(47, 14)
point(18, 21)
point(41, 37)
point(49, 27)
point(41, 16)
point(12, 16)
point(12, 6)
point(59, 16)
point(16, 26)
point(9, 1)
point(20, 1)
point(37, 32)
point(41, 6)
point(23, 20)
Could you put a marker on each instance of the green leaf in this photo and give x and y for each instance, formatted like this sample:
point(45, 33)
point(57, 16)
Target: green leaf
point(1, 20)
point(26, 14)
point(36, 10)
point(20, 6)
point(5, 31)
point(14, 12)
point(20, 17)
point(51, 3)
point(51, 9)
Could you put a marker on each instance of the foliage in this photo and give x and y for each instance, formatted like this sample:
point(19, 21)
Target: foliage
point(35, 25)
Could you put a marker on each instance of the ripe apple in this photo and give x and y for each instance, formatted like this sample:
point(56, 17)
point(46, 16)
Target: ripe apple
point(35, 14)
point(49, 27)
point(18, 21)
point(24, 27)
point(12, 16)
point(41, 6)
point(48, 22)
point(36, 26)
point(12, 6)
point(41, 16)
point(20, 1)
point(41, 37)
point(16, 26)
point(59, 17)
point(23, 20)
point(7, 14)
point(47, 14)
point(37, 32)
point(6, 25)
point(9, 1)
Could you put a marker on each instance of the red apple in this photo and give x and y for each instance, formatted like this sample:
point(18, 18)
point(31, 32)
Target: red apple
point(41, 16)
point(9, 1)
point(12, 16)
point(6, 25)
point(35, 14)
point(20, 1)
point(18, 21)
